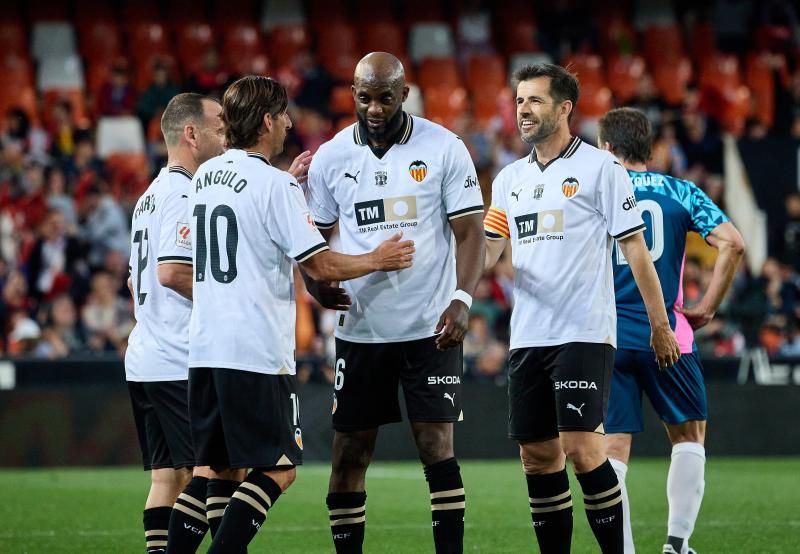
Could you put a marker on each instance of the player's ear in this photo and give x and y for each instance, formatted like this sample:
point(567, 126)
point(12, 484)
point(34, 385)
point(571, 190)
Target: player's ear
point(566, 108)
point(405, 93)
point(268, 122)
point(190, 134)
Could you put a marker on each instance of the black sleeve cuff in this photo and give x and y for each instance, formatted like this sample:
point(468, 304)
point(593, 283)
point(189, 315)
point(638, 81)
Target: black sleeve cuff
point(175, 260)
point(303, 256)
point(630, 232)
point(466, 211)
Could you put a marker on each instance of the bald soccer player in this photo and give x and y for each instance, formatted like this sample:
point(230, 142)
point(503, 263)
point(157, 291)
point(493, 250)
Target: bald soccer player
point(392, 171)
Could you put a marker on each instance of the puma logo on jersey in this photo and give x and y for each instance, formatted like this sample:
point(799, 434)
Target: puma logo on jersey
point(295, 185)
point(452, 399)
point(353, 177)
point(573, 407)
point(516, 194)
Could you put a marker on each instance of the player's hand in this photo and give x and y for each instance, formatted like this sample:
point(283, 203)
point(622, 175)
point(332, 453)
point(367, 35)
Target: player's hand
point(393, 254)
point(665, 345)
point(452, 325)
point(299, 167)
point(697, 315)
point(330, 296)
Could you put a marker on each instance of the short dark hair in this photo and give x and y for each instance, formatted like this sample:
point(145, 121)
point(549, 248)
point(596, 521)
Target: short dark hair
point(629, 133)
point(182, 109)
point(244, 105)
point(563, 83)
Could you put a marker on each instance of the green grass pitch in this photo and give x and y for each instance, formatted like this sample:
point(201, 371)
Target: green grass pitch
point(750, 506)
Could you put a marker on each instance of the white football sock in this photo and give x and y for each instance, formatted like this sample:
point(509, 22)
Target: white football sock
point(622, 470)
point(685, 485)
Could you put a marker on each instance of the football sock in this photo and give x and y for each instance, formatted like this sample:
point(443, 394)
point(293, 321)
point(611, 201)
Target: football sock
point(551, 511)
point(621, 470)
point(685, 486)
point(603, 502)
point(188, 523)
point(156, 523)
point(448, 503)
point(218, 494)
point(347, 512)
point(245, 514)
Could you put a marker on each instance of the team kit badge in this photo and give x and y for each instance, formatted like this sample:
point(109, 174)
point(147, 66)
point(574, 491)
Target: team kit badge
point(418, 170)
point(570, 187)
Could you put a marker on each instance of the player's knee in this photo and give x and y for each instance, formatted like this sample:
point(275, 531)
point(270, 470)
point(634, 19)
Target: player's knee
point(540, 458)
point(434, 446)
point(283, 478)
point(585, 457)
point(168, 482)
point(351, 456)
point(690, 431)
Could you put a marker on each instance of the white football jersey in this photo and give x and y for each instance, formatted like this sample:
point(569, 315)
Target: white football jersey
point(421, 183)
point(561, 219)
point(249, 221)
point(158, 346)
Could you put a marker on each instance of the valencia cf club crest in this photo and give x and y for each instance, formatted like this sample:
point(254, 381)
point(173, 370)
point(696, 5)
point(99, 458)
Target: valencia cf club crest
point(298, 437)
point(570, 187)
point(381, 178)
point(418, 170)
point(538, 190)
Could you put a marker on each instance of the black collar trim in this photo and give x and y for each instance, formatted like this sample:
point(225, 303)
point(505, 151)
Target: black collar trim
point(570, 149)
point(259, 156)
point(402, 137)
point(180, 169)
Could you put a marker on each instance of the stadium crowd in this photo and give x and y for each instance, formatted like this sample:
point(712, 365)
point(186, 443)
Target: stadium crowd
point(64, 219)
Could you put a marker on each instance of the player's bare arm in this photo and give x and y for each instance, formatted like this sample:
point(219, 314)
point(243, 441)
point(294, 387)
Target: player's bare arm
point(177, 277)
point(468, 232)
point(328, 293)
point(727, 240)
point(663, 340)
point(494, 249)
point(391, 255)
point(299, 167)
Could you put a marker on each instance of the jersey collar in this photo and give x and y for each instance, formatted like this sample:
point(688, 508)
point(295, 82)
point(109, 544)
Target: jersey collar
point(180, 169)
point(258, 156)
point(402, 136)
point(570, 149)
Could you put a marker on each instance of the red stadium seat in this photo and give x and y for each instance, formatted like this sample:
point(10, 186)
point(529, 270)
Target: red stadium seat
point(143, 75)
point(241, 40)
point(663, 43)
point(286, 41)
point(13, 39)
point(334, 40)
point(320, 13)
point(97, 73)
point(623, 74)
point(761, 82)
point(720, 72)
point(617, 36)
point(129, 174)
point(704, 42)
point(594, 101)
point(486, 71)
point(486, 102)
point(17, 71)
point(434, 72)
point(23, 98)
point(672, 79)
point(342, 100)
point(344, 123)
point(99, 41)
point(445, 104)
point(519, 36)
point(383, 36)
point(146, 40)
point(509, 11)
point(588, 68)
point(341, 67)
point(193, 41)
point(253, 64)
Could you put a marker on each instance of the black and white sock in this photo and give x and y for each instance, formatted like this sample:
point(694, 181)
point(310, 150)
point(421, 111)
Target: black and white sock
point(347, 512)
point(603, 502)
point(448, 502)
point(156, 523)
point(551, 511)
point(188, 523)
point(245, 514)
point(218, 494)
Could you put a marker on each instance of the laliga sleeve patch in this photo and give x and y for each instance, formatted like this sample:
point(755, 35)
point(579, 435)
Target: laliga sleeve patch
point(182, 237)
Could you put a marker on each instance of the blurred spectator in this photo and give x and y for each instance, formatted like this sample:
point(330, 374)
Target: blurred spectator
point(648, 100)
point(24, 336)
point(791, 348)
point(62, 130)
point(107, 318)
point(103, 225)
point(117, 96)
point(82, 168)
point(22, 137)
point(667, 156)
point(58, 199)
point(790, 250)
point(55, 259)
point(484, 355)
point(316, 84)
point(62, 333)
point(157, 95)
point(14, 300)
point(211, 79)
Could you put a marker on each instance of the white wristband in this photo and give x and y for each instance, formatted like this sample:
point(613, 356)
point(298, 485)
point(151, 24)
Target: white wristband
point(463, 296)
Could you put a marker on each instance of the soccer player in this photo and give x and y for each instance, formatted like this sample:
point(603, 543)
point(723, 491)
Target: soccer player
point(671, 207)
point(392, 171)
point(156, 361)
point(560, 207)
point(248, 222)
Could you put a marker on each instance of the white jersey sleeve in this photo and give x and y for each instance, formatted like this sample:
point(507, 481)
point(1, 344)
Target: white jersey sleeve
point(290, 224)
point(461, 192)
point(616, 202)
point(324, 208)
point(174, 241)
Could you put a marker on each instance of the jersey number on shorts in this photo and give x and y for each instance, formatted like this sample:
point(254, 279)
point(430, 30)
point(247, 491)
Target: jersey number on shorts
point(140, 237)
point(338, 380)
point(231, 243)
point(652, 210)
